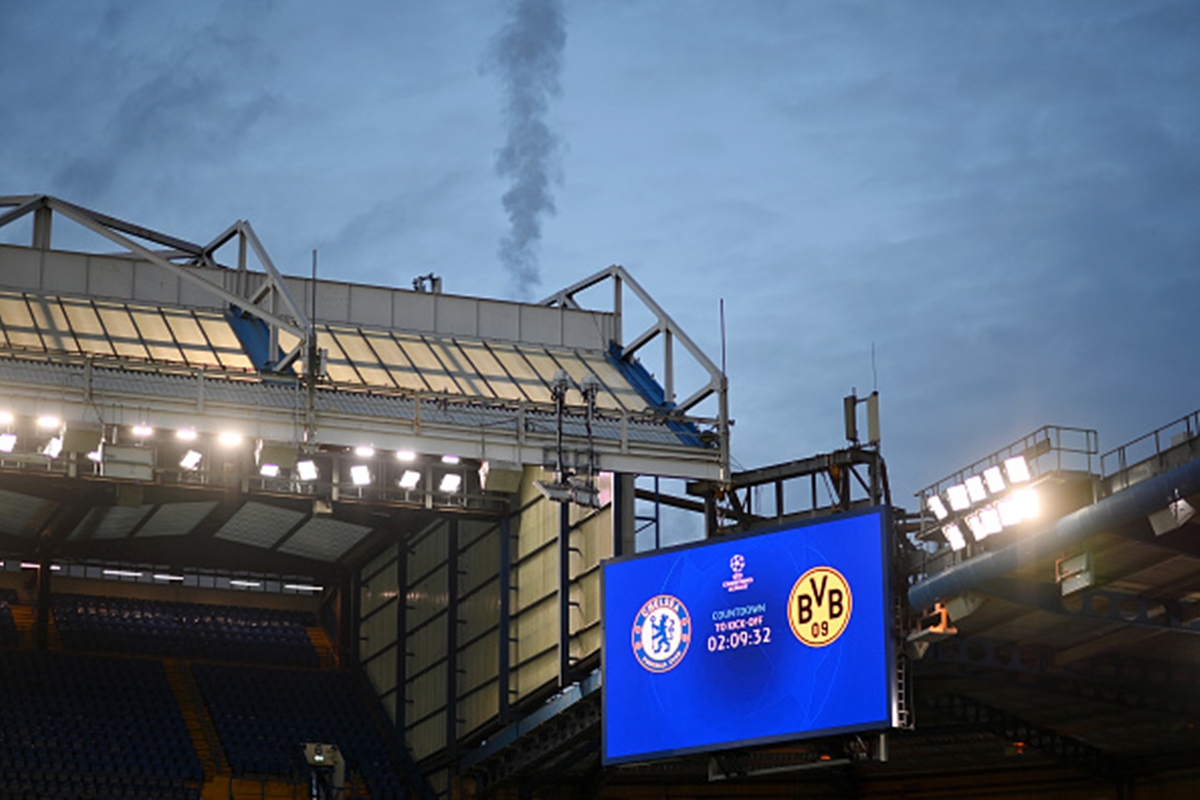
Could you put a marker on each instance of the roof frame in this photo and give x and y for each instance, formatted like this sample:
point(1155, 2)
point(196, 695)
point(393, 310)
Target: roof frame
point(290, 318)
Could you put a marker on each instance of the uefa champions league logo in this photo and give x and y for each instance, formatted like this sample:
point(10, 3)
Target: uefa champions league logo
point(739, 582)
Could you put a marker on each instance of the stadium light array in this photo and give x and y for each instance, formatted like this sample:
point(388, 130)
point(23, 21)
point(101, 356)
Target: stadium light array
point(186, 434)
point(8, 442)
point(986, 503)
point(142, 431)
point(451, 482)
point(364, 451)
point(307, 470)
point(406, 455)
point(410, 479)
point(360, 474)
point(191, 460)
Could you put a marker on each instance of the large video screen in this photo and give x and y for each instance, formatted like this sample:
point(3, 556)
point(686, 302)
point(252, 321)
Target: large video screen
point(747, 640)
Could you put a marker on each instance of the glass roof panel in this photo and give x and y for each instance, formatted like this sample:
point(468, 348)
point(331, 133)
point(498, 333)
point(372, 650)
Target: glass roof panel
point(121, 330)
point(14, 315)
point(355, 346)
point(396, 362)
point(337, 366)
point(460, 368)
point(224, 341)
point(190, 338)
point(534, 386)
point(487, 366)
point(425, 361)
point(617, 387)
point(157, 335)
point(49, 318)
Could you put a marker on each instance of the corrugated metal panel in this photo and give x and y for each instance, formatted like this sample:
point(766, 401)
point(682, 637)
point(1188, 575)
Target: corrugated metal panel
point(324, 539)
point(176, 519)
point(259, 524)
point(17, 512)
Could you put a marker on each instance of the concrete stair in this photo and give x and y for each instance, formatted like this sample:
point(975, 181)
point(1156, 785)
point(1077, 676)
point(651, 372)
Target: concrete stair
point(324, 647)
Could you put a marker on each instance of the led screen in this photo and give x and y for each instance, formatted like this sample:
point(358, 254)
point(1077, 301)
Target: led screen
point(738, 641)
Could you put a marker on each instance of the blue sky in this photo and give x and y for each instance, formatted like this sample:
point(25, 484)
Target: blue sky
point(1002, 198)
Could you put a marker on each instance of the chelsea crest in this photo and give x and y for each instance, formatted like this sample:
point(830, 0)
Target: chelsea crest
point(662, 632)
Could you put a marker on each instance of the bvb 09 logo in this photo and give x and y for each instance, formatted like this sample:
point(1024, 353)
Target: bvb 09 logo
point(662, 632)
point(819, 606)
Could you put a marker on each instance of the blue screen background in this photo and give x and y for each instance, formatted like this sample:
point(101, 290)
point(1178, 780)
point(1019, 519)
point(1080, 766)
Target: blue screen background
point(783, 689)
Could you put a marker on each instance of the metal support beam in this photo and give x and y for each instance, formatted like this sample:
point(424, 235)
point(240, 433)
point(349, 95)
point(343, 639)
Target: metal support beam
point(504, 633)
point(1102, 605)
point(1014, 729)
point(564, 595)
point(452, 623)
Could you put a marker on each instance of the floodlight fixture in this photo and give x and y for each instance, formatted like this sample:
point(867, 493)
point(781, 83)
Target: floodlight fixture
point(53, 447)
point(448, 459)
point(269, 470)
point(958, 497)
point(975, 489)
point(935, 504)
point(191, 459)
point(364, 451)
point(229, 438)
point(1028, 502)
point(954, 536)
point(8, 442)
point(94, 456)
point(6, 418)
point(451, 482)
point(142, 431)
point(360, 474)
point(49, 422)
point(1017, 469)
point(307, 470)
point(410, 479)
point(1010, 512)
point(186, 434)
point(994, 480)
point(406, 455)
point(990, 518)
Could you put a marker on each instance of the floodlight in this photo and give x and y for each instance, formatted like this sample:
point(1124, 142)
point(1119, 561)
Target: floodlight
point(994, 480)
point(364, 451)
point(94, 456)
point(954, 536)
point(406, 455)
point(48, 422)
point(269, 470)
point(8, 441)
point(976, 525)
point(450, 459)
point(937, 506)
point(307, 470)
point(410, 479)
point(1028, 503)
point(53, 447)
point(191, 459)
point(6, 418)
point(1017, 469)
point(450, 482)
point(975, 489)
point(360, 474)
point(229, 438)
point(1010, 512)
point(142, 431)
point(958, 497)
point(991, 520)
point(186, 434)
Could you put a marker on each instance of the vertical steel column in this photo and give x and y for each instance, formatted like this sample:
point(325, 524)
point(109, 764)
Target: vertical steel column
point(452, 641)
point(401, 638)
point(504, 577)
point(618, 512)
point(42, 632)
point(564, 594)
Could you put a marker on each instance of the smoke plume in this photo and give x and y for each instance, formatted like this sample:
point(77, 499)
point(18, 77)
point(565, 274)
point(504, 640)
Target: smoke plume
point(527, 56)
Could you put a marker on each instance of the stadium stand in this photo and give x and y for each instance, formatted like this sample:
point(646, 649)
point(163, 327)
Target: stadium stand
point(78, 726)
point(261, 716)
point(185, 630)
